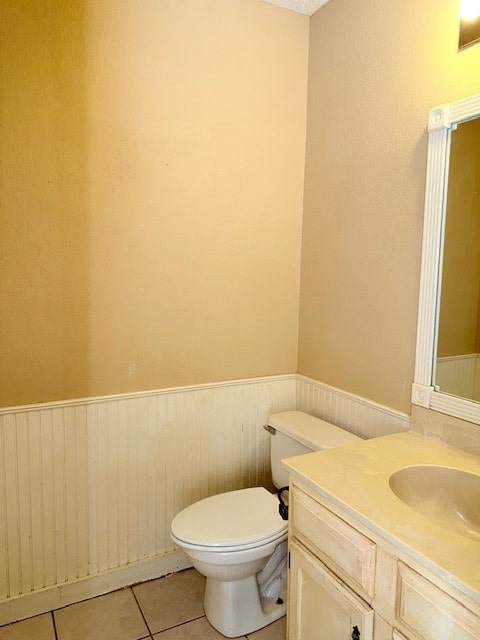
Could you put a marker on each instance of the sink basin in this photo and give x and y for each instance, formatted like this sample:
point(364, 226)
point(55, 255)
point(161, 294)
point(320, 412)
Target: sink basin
point(447, 497)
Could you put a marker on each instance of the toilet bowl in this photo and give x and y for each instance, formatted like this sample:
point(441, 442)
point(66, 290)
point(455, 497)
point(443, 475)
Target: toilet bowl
point(230, 538)
point(238, 540)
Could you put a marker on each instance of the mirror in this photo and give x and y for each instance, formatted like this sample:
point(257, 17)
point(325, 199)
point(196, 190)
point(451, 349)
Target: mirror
point(448, 332)
point(457, 365)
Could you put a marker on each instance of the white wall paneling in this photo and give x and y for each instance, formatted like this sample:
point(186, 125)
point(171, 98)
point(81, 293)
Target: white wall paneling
point(88, 488)
point(458, 375)
point(362, 417)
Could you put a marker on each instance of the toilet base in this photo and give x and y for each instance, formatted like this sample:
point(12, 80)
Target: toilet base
point(235, 608)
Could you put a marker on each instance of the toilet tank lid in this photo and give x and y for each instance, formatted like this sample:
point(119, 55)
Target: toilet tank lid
point(312, 432)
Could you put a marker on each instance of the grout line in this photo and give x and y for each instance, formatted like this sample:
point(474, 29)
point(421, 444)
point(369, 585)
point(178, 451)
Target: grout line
point(180, 624)
point(141, 612)
point(54, 625)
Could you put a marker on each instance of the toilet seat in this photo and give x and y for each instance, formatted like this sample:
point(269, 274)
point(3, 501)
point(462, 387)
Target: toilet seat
point(232, 521)
point(229, 550)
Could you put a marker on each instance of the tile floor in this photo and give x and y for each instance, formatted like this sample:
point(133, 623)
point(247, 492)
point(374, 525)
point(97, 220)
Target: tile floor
point(169, 608)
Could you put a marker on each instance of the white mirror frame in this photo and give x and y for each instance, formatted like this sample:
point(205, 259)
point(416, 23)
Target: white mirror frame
point(440, 122)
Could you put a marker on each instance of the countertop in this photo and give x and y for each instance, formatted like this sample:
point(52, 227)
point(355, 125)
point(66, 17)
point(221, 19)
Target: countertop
point(356, 478)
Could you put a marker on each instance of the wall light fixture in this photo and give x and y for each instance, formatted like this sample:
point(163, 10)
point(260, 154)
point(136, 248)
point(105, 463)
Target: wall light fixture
point(469, 23)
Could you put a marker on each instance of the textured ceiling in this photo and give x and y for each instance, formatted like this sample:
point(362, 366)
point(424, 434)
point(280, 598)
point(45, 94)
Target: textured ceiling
point(307, 7)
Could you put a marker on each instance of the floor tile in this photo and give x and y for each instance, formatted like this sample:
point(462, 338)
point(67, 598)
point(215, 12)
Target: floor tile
point(114, 616)
point(38, 628)
point(172, 600)
point(196, 630)
point(275, 631)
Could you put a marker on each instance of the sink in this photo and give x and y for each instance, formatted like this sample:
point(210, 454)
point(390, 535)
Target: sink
point(447, 497)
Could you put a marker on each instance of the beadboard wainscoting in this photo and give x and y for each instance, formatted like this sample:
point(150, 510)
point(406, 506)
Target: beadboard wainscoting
point(459, 375)
point(353, 413)
point(88, 488)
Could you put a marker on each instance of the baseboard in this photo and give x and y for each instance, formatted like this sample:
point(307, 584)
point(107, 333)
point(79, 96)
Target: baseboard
point(43, 600)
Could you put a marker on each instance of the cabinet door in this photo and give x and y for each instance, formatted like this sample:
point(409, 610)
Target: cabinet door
point(321, 607)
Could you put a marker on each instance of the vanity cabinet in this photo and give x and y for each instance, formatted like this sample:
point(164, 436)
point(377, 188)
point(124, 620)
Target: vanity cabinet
point(346, 582)
point(321, 605)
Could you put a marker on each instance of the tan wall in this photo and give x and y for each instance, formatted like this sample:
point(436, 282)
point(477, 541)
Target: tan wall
point(152, 184)
point(375, 69)
point(459, 308)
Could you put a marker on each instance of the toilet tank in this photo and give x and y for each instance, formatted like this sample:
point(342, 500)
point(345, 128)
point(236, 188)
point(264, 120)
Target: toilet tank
point(295, 433)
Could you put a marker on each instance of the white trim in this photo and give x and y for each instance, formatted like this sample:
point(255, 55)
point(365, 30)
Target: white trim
point(464, 109)
point(371, 404)
point(440, 122)
point(462, 356)
point(59, 404)
point(431, 255)
point(358, 415)
point(43, 600)
point(445, 116)
point(421, 394)
point(455, 406)
point(438, 118)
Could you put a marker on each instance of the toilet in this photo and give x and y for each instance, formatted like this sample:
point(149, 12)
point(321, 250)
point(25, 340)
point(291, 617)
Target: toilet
point(238, 540)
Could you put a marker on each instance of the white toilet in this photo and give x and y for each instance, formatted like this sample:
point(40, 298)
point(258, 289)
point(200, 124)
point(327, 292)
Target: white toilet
point(238, 540)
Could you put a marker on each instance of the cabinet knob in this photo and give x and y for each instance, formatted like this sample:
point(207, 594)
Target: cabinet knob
point(355, 633)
